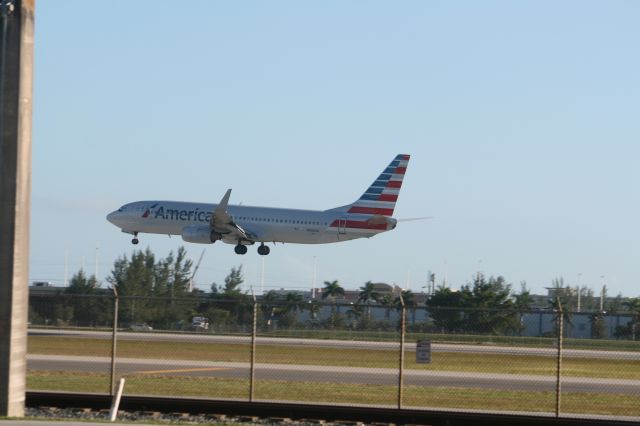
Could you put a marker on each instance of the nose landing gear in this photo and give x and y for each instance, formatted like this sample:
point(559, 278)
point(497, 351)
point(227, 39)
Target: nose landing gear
point(135, 239)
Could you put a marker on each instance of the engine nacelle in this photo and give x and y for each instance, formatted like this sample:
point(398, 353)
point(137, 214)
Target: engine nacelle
point(200, 234)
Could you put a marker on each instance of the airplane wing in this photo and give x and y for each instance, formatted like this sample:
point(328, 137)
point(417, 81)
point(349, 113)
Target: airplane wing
point(222, 223)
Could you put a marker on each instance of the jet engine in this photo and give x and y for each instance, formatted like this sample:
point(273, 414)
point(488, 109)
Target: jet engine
point(200, 234)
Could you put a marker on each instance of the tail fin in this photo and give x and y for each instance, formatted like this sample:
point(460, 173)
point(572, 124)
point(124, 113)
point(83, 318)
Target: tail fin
point(381, 197)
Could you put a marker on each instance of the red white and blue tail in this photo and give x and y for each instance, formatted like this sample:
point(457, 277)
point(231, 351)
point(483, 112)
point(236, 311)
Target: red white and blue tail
point(380, 198)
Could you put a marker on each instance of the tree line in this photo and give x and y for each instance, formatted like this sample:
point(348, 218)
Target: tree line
point(159, 291)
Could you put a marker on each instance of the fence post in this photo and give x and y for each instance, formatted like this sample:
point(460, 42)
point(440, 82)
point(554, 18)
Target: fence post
point(114, 339)
point(253, 348)
point(403, 319)
point(559, 360)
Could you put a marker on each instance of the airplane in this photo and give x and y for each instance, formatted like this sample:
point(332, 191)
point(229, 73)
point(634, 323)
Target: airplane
point(240, 225)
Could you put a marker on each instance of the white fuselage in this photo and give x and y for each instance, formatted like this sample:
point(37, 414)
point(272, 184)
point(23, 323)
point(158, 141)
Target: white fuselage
point(269, 224)
point(203, 223)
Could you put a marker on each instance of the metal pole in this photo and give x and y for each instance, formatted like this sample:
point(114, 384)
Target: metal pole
point(16, 82)
point(403, 319)
point(114, 340)
point(559, 359)
point(253, 349)
point(262, 277)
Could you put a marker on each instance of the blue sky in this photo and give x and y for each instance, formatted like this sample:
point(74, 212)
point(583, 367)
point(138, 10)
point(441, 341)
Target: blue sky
point(522, 120)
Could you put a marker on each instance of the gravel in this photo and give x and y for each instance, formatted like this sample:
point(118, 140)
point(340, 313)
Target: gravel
point(86, 414)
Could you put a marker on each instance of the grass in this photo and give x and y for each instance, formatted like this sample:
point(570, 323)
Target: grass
point(414, 396)
point(471, 339)
point(345, 357)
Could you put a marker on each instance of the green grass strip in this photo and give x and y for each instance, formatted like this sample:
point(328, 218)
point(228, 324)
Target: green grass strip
point(339, 357)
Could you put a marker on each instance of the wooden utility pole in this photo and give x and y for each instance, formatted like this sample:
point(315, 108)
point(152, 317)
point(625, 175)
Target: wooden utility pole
point(403, 326)
point(559, 356)
point(16, 80)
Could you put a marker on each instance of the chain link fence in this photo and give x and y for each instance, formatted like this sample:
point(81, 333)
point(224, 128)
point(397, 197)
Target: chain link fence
point(235, 347)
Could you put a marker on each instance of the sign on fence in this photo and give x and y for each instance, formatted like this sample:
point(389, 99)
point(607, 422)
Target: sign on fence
point(423, 351)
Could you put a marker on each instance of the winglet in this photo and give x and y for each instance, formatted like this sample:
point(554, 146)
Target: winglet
point(222, 206)
point(220, 212)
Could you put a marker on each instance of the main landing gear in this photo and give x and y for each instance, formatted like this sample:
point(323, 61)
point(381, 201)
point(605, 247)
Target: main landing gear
point(242, 249)
point(135, 239)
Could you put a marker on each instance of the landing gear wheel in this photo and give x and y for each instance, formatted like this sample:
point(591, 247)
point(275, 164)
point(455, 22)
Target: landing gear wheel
point(240, 249)
point(135, 239)
point(263, 250)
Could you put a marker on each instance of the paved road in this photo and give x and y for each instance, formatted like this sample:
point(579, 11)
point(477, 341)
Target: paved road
point(436, 347)
point(331, 374)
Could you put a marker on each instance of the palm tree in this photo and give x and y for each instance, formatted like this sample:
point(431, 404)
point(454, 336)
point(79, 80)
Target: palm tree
point(409, 303)
point(407, 297)
point(332, 290)
point(368, 294)
point(388, 303)
point(558, 305)
point(522, 303)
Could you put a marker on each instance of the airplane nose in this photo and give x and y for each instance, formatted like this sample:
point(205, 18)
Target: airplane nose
point(111, 216)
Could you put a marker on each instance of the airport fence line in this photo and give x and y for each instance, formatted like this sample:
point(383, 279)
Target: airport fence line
point(329, 352)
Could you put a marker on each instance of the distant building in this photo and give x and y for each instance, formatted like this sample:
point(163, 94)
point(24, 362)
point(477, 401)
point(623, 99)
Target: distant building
point(45, 288)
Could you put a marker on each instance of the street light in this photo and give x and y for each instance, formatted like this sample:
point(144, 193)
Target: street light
point(579, 290)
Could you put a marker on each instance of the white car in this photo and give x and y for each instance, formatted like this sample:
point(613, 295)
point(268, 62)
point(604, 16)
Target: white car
point(141, 327)
point(199, 324)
